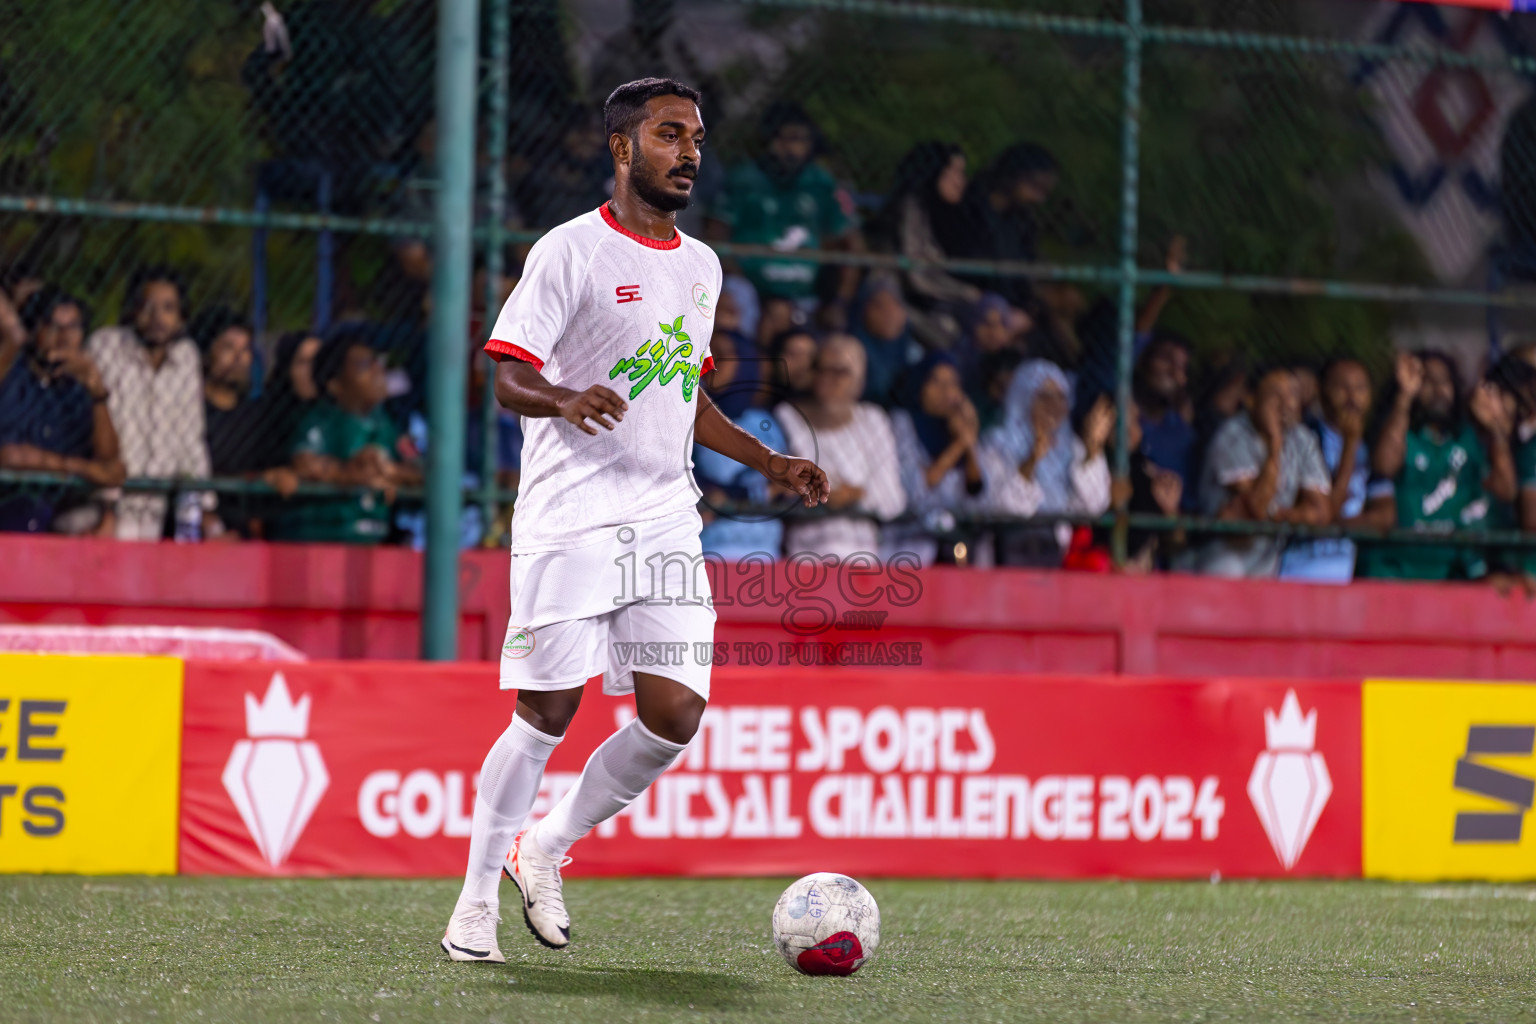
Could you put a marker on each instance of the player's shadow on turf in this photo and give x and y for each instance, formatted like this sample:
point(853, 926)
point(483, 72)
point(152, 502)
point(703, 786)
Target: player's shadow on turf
point(699, 989)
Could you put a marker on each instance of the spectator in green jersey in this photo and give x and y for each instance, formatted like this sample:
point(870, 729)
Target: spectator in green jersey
point(347, 441)
point(1445, 467)
point(785, 199)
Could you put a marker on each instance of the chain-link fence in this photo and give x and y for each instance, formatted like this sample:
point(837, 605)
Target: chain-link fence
point(1162, 202)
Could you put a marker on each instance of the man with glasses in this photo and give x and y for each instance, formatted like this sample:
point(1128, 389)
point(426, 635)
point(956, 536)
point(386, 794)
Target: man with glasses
point(53, 412)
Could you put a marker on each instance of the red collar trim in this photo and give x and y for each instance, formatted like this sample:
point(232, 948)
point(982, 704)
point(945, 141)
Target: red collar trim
point(650, 243)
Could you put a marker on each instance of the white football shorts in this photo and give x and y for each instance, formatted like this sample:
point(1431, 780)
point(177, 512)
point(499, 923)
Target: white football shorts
point(638, 601)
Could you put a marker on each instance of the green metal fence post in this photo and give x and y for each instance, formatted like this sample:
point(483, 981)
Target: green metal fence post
point(495, 153)
point(1130, 159)
point(447, 367)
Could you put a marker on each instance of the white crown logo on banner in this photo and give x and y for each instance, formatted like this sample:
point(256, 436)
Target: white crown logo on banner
point(1290, 785)
point(275, 776)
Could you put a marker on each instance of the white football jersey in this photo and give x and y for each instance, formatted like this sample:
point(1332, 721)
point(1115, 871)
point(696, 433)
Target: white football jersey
point(598, 304)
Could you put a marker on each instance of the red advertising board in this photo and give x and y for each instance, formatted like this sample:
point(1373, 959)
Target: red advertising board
point(356, 768)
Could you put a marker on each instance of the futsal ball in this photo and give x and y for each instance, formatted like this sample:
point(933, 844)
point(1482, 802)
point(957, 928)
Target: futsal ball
point(826, 923)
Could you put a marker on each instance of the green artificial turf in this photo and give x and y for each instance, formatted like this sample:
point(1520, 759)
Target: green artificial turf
point(198, 949)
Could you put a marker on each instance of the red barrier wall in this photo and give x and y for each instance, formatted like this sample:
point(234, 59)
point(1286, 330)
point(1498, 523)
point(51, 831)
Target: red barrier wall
point(338, 602)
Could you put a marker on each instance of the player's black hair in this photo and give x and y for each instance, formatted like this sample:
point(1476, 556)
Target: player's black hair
point(139, 282)
point(39, 307)
point(625, 106)
point(333, 353)
point(210, 323)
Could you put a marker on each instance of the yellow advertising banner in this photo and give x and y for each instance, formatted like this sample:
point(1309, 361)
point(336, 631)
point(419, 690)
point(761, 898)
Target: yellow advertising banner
point(90, 763)
point(1449, 777)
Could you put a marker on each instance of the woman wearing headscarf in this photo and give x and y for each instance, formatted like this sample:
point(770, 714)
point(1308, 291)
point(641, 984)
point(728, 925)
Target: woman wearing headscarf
point(852, 441)
point(946, 469)
point(991, 326)
point(937, 437)
point(926, 219)
point(1071, 472)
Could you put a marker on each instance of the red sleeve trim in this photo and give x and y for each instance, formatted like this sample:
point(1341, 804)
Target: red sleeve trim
point(497, 349)
point(708, 365)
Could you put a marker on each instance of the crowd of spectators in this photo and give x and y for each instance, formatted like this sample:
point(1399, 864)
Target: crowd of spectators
point(955, 413)
point(160, 398)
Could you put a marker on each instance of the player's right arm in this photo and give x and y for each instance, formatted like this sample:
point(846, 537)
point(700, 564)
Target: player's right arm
point(522, 389)
point(530, 326)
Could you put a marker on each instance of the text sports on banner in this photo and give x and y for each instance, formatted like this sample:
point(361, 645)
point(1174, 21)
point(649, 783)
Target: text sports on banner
point(89, 764)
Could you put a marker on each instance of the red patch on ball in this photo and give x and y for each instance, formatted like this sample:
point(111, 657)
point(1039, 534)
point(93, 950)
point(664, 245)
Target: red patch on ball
point(840, 955)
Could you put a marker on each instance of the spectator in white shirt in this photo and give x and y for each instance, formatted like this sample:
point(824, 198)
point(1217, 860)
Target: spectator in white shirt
point(853, 443)
point(155, 377)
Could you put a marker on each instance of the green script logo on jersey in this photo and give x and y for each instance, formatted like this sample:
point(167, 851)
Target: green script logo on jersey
point(656, 360)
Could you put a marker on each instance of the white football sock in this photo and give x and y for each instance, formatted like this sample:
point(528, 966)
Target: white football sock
point(616, 773)
point(509, 783)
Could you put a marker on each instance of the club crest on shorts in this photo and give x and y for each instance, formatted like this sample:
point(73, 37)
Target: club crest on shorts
point(519, 643)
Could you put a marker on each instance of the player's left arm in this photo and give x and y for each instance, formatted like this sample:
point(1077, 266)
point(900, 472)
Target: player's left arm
point(714, 431)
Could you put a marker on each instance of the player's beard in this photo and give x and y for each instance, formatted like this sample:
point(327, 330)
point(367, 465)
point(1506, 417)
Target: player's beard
point(652, 189)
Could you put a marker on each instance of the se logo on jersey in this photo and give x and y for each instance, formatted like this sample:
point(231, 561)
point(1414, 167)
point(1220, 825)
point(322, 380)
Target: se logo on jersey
point(654, 360)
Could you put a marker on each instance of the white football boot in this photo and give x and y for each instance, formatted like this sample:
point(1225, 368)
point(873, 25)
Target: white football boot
point(471, 934)
point(537, 877)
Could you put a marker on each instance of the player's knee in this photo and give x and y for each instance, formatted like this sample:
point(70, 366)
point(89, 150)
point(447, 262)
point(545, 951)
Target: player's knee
point(550, 712)
point(675, 719)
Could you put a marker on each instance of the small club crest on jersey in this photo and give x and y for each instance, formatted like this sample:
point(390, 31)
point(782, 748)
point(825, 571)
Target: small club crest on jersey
point(658, 360)
point(519, 643)
point(703, 302)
